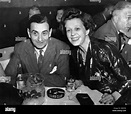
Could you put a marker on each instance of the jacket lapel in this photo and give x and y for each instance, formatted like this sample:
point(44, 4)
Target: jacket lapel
point(48, 57)
point(31, 59)
point(88, 64)
point(114, 30)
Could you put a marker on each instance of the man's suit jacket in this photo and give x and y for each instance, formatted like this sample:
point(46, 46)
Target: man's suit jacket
point(109, 33)
point(99, 20)
point(23, 25)
point(55, 56)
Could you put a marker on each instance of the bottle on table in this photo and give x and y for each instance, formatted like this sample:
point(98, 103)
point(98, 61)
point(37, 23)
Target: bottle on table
point(20, 81)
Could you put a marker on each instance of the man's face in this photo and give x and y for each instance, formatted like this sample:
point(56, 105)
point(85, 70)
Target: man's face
point(33, 12)
point(39, 34)
point(123, 22)
point(59, 15)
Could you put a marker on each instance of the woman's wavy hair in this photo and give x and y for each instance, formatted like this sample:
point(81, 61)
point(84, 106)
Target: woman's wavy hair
point(76, 13)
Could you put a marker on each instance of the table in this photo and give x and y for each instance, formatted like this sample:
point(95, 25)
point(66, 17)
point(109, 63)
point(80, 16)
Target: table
point(47, 101)
point(50, 101)
point(62, 101)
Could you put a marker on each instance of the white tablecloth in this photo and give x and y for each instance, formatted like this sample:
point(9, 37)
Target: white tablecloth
point(62, 101)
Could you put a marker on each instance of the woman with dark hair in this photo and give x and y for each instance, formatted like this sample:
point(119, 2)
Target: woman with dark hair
point(94, 63)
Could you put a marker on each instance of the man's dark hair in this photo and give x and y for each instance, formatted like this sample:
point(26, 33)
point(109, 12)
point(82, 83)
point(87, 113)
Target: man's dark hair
point(38, 18)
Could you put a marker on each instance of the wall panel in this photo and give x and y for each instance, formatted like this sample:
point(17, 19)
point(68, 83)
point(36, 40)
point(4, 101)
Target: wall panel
point(12, 13)
point(27, 3)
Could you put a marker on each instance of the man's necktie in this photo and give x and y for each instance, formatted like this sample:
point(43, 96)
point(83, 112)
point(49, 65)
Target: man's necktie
point(40, 59)
point(119, 40)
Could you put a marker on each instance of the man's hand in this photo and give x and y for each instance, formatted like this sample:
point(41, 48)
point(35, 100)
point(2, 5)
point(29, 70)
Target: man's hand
point(5, 79)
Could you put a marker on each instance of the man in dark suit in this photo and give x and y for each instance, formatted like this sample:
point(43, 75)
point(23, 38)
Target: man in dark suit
point(24, 22)
point(102, 17)
point(117, 29)
point(54, 54)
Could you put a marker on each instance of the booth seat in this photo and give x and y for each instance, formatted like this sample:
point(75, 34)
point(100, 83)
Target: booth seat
point(5, 54)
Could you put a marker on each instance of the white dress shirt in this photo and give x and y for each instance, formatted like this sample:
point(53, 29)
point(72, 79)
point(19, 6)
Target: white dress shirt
point(37, 52)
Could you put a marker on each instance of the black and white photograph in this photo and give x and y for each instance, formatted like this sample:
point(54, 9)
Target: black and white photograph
point(65, 53)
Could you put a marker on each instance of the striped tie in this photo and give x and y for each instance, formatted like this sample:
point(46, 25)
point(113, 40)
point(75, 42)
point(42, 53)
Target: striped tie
point(40, 59)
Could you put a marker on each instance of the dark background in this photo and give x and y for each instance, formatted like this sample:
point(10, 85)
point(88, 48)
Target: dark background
point(12, 12)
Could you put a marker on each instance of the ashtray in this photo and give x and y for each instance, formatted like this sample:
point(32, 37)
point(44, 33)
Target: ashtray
point(55, 93)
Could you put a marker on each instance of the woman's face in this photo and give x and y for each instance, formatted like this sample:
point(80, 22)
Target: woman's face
point(76, 32)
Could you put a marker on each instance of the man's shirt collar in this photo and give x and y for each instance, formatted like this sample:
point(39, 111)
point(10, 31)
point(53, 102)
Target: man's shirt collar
point(37, 51)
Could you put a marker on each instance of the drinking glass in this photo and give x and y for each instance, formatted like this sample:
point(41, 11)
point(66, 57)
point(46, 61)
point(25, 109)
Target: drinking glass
point(70, 87)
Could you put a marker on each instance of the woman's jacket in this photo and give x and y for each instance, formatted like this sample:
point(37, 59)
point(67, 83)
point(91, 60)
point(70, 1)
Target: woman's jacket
point(104, 70)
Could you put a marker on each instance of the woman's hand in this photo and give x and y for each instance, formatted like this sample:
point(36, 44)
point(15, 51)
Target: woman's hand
point(78, 83)
point(107, 99)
